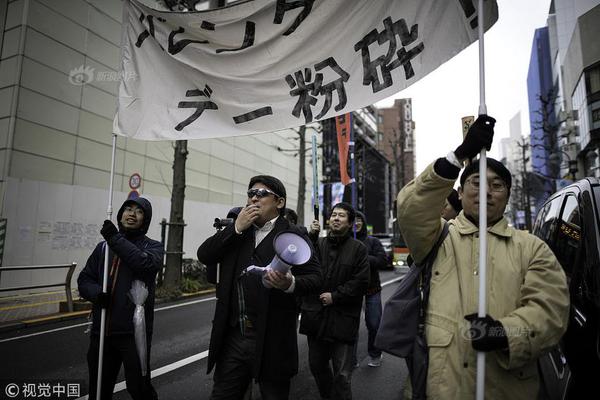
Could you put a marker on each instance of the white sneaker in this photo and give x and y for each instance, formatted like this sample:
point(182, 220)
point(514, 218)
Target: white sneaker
point(375, 361)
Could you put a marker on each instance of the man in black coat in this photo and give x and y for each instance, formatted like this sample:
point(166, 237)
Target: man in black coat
point(254, 328)
point(132, 256)
point(331, 319)
point(373, 308)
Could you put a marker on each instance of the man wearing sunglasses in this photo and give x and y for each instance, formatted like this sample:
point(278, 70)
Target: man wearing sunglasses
point(254, 328)
point(527, 296)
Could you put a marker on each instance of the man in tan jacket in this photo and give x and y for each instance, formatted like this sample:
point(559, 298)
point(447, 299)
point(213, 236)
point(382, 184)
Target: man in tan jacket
point(527, 295)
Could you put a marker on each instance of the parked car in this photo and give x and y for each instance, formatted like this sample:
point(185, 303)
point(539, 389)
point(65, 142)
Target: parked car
point(569, 222)
point(386, 241)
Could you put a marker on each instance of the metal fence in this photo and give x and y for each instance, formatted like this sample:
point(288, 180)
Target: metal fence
point(66, 283)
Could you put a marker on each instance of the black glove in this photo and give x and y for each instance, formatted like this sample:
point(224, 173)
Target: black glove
point(108, 230)
point(480, 135)
point(103, 299)
point(486, 334)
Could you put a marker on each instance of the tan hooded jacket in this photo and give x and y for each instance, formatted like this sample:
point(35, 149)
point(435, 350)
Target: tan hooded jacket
point(526, 291)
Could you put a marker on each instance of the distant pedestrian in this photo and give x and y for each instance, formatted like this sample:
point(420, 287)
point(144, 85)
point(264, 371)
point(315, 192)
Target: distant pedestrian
point(330, 320)
point(132, 256)
point(373, 308)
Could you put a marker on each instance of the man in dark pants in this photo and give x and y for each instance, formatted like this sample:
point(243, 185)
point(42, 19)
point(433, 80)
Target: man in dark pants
point(373, 308)
point(331, 320)
point(132, 256)
point(254, 328)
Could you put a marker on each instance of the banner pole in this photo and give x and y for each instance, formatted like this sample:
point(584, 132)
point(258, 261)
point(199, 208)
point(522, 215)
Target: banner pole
point(109, 211)
point(480, 390)
point(315, 176)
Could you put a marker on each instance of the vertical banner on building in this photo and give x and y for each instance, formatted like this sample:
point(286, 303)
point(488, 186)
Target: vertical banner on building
point(342, 126)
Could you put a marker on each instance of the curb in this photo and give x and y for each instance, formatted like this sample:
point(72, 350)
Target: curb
point(48, 319)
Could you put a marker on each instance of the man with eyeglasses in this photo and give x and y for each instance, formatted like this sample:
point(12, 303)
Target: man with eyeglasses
point(330, 318)
point(527, 296)
point(254, 328)
point(132, 256)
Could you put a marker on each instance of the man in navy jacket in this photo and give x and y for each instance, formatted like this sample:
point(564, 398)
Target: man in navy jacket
point(132, 256)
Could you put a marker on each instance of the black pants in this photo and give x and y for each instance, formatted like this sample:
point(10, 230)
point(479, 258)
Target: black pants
point(119, 349)
point(233, 372)
point(333, 380)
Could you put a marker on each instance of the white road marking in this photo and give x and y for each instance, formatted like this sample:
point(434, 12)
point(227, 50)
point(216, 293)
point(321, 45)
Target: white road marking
point(88, 323)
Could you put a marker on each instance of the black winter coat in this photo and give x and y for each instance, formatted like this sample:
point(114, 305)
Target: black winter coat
point(276, 356)
point(346, 278)
point(141, 259)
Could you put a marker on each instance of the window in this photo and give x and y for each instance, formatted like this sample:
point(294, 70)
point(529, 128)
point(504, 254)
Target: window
point(568, 238)
point(545, 224)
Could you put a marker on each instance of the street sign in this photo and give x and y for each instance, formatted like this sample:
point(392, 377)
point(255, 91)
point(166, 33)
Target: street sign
point(133, 195)
point(135, 181)
point(466, 124)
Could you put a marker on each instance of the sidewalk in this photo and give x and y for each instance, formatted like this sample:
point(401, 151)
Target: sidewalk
point(19, 311)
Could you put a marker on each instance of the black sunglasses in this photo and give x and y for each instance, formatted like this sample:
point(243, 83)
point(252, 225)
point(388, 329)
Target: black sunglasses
point(260, 193)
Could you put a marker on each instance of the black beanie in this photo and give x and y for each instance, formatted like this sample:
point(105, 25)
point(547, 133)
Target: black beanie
point(455, 201)
point(493, 165)
point(348, 208)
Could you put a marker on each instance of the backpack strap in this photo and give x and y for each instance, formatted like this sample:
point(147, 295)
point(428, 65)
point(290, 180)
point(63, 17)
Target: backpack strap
point(425, 278)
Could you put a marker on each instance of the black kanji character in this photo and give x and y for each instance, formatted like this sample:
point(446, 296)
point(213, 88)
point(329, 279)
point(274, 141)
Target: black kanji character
point(307, 90)
point(248, 38)
point(200, 106)
point(283, 6)
point(469, 10)
point(385, 63)
point(305, 100)
point(175, 48)
point(146, 34)
point(327, 90)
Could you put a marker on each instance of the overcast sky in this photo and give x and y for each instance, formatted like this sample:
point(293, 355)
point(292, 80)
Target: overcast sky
point(452, 91)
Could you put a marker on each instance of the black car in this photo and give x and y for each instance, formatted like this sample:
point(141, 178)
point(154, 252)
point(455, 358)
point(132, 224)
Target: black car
point(569, 222)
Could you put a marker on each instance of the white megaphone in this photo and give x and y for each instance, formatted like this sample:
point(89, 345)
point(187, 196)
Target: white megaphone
point(291, 249)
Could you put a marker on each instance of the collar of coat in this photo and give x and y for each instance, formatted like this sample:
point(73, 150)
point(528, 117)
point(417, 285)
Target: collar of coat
point(466, 227)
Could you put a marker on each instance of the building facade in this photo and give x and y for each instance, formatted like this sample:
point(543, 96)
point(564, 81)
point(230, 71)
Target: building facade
point(397, 143)
point(58, 88)
point(573, 34)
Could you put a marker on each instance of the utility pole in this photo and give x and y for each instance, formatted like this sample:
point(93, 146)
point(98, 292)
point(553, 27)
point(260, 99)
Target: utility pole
point(176, 224)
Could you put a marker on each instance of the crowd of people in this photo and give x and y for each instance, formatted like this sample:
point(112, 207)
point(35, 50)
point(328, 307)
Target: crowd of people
point(255, 327)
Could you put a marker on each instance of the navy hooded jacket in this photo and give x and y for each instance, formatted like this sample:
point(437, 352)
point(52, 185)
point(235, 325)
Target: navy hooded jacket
point(140, 258)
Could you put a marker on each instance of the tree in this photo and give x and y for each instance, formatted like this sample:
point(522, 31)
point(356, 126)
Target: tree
point(175, 240)
point(301, 152)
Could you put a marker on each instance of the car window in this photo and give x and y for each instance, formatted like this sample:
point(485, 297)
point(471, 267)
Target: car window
point(568, 239)
point(544, 226)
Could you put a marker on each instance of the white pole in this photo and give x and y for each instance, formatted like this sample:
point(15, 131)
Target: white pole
point(480, 392)
point(105, 273)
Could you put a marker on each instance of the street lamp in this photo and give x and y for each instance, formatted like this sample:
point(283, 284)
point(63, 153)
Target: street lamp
point(555, 159)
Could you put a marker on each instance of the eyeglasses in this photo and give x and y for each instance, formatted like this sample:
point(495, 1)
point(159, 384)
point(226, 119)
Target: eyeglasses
point(494, 186)
point(260, 193)
point(131, 210)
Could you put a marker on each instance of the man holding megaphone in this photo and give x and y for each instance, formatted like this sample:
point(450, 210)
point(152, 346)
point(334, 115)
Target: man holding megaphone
point(265, 262)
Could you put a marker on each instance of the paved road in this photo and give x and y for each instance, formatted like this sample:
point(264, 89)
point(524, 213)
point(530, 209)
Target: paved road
point(179, 351)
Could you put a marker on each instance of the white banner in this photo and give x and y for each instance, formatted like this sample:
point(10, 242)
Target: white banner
point(266, 65)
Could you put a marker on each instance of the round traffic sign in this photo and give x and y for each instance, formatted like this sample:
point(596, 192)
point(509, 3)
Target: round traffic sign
point(135, 181)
